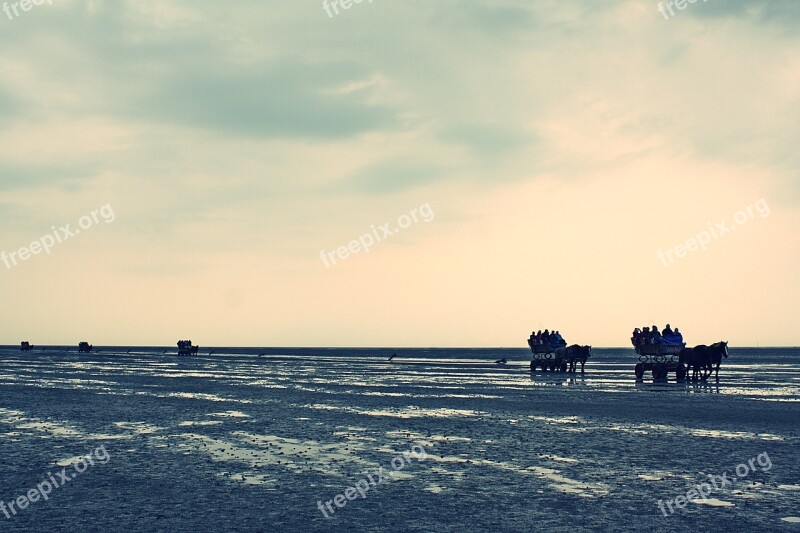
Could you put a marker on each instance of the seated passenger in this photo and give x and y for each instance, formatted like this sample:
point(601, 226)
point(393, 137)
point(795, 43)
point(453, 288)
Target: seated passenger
point(657, 339)
point(667, 331)
point(646, 336)
point(678, 335)
point(655, 334)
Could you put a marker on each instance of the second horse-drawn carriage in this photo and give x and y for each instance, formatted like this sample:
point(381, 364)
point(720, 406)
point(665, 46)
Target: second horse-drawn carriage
point(660, 359)
point(659, 353)
point(25, 346)
point(666, 352)
point(84, 347)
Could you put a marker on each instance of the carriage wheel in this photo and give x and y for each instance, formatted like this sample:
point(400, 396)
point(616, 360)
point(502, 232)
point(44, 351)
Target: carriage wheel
point(680, 372)
point(533, 366)
point(639, 370)
point(563, 367)
point(659, 372)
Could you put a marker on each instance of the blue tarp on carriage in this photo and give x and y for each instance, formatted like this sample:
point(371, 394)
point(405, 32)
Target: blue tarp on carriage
point(672, 340)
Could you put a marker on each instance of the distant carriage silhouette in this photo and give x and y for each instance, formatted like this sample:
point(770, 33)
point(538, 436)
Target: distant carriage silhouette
point(186, 348)
point(25, 346)
point(84, 347)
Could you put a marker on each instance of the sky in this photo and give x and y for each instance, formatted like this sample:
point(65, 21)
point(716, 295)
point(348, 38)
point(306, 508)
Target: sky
point(399, 173)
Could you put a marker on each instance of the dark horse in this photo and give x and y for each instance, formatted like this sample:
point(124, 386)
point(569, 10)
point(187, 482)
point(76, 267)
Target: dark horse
point(704, 360)
point(574, 354)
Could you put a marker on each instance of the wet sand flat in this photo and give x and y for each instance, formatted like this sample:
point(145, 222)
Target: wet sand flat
point(235, 442)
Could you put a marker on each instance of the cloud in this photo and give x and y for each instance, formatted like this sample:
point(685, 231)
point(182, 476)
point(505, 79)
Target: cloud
point(287, 100)
point(391, 176)
point(783, 12)
point(69, 176)
point(488, 140)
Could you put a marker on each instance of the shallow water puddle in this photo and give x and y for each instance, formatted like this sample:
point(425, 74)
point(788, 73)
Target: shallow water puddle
point(257, 452)
point(202, 396)
point(138, 428)
point(406, 412)
point(714, 502)
point(444, 472)
point(230, 414)
point(69, 461)
point(563, 420)
point(655, 475)
point(568, 485)
point(559, 459)
point(426, 440)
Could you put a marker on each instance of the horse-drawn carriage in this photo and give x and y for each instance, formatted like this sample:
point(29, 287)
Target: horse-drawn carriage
point(25, 346)
point(556, 355)
point(84, 347)
point(186, 348)
point(544, 355)
point(660, 359)
point(665, 352)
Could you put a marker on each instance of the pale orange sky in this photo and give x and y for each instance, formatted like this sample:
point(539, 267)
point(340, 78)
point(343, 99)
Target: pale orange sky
point(560, 147)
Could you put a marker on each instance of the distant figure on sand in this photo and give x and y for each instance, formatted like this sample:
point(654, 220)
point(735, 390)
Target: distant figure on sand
point(392, 357)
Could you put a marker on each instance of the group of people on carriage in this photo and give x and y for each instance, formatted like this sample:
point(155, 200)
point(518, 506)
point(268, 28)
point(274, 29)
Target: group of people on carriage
point(185, 347)
point(540, 338)
point(647, 335)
